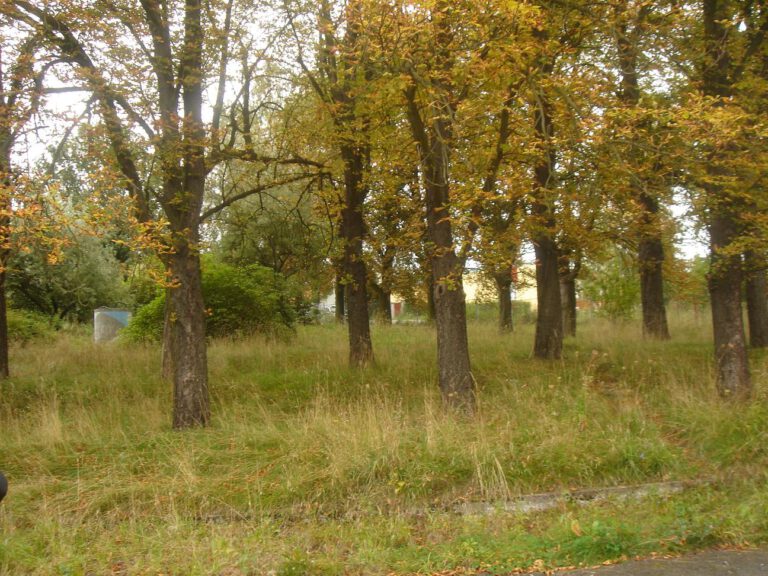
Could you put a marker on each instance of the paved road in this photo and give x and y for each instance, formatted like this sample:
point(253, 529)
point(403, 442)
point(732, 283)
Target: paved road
point(716, 563)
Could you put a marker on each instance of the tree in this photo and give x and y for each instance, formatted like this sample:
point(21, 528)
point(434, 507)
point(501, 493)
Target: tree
point(631, 22)
point(161, 145)
point(21, 76)
point(720, 70)
point(339, 81)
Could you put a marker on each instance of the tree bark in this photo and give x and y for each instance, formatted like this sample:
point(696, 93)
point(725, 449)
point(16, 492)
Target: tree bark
point(548, 341)
point(568, 300)
point(433, 136)
point(650, 260)
point(353, 226)
point(187, 345)
point(757, 299)
point(733, 377)
point(504, 290)
point(650, 254)
point(338, 288)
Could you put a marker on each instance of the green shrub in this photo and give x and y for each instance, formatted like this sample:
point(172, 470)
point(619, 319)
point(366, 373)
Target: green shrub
point(25, 326)
point(238, 302)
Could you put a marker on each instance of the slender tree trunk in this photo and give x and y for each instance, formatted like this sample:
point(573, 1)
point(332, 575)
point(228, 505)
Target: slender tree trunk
point(353, 226)
point(187, 346)
point(733, 378)
point(504, 291)
point(568, 300)
point(339, 299)
point(757, 300)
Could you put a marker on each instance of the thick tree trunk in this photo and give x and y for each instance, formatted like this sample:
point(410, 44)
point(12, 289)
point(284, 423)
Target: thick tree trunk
point(384, 301)
point(650, 255)
point(456, 381)
point(568, 302)
point(733, 378)
point(339, 291)
point(186, 341)
point(650, 259)
point(432, 131)
point(504, 291)
point(757, 300)
point(353, 227)
point(548, 341)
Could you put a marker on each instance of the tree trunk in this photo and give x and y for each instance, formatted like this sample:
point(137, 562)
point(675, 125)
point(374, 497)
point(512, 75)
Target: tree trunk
point(384, 299)
point(353, 227)
point(431, 311)
point(4, 360)
point(338, 288)
point(548, 341)
point(568, 301)
point(187, 346)
point(504, 291)
point(757, 300)
point(733, 378)
point(167, 367)
point(650, 259)
point(650, 255)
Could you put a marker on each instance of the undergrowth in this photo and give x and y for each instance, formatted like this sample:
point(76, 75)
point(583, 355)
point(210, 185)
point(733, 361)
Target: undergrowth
point(313, 468)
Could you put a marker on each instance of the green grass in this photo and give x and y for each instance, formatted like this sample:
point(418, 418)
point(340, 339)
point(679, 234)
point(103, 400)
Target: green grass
point(312, 468)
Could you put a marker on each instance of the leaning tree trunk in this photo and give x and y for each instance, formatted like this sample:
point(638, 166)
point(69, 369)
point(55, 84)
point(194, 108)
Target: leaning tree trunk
point(504, 291)
point(353, 227)
point(757, 300)
point(186, 341)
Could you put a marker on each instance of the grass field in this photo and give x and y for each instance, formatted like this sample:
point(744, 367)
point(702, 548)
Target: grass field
point(312, 468)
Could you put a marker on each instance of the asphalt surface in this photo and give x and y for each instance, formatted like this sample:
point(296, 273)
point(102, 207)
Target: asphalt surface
point(715, 563)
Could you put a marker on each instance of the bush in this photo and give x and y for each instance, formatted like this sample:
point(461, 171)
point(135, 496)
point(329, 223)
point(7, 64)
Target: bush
point(238, 301)
point(25, 326)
